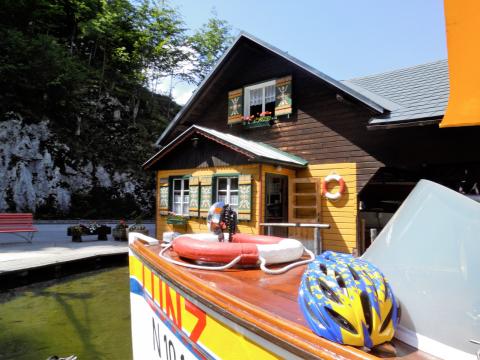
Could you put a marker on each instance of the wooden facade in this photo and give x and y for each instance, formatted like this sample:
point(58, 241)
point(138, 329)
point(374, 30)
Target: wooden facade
point(327, 127)
point(322, 129)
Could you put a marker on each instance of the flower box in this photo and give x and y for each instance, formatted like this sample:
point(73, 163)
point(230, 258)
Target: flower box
point(176, 220)
point(257, 124)
point(264, 120)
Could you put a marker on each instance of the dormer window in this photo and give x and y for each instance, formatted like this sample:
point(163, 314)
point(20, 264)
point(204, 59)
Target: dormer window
point(261, 103)
point(260, 99)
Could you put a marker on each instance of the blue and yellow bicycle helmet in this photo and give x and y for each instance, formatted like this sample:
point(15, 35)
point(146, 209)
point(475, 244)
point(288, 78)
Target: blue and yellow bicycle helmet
point(348, 300)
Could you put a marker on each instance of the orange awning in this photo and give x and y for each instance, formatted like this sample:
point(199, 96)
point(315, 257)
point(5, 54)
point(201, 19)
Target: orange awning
point(463, 42)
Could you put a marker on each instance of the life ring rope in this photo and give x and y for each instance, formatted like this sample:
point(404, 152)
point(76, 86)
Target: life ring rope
point(235, 261)
point(341, 189)
point(199, 267)
point(263, 265)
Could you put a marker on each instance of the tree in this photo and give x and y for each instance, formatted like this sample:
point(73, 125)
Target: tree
point(208, 43)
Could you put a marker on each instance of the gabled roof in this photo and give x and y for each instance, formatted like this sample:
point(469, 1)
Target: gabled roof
point(243, 36)
point(255, 151)
point(411, 94)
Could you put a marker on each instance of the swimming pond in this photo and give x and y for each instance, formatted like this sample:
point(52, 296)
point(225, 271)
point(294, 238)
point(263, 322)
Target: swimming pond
point(87, 315)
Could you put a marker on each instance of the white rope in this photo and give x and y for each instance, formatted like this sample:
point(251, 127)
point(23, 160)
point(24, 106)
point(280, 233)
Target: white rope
point(199, 267)
point(264, 268)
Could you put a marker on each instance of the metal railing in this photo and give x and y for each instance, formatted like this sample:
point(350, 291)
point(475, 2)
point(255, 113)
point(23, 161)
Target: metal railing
point(317, 236)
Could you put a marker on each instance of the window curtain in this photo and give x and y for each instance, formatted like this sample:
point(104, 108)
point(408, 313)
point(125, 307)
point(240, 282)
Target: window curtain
point(256, 97)
point(270, 94)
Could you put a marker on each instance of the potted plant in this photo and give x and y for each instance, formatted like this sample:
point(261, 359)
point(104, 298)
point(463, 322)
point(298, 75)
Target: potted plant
point(138, 227)
point(76, 233)
point(120, 231)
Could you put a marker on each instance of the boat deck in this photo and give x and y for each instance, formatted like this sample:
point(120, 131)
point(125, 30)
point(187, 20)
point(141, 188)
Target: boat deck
point(265, 304)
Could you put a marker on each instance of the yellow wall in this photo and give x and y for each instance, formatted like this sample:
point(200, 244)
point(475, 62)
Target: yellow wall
point(340, 214)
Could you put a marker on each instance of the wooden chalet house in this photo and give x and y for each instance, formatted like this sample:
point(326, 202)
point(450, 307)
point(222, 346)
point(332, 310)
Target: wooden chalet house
point(264, 129)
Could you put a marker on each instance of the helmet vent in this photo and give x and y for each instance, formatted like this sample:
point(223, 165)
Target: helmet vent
point(340, 280)
point(323, 268)
point(385, 286)
point(387, 320)
point(354, 273)
point(313, 315)
point(340, 320)
point(367, 312)
point(329, 293)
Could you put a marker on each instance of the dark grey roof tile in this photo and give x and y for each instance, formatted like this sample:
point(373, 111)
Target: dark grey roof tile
point(419, 92)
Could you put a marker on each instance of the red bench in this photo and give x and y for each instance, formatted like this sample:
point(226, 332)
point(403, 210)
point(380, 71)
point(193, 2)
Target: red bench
point(18, 223)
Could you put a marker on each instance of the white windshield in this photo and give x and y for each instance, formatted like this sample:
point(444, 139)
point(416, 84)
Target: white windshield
point(430, 252)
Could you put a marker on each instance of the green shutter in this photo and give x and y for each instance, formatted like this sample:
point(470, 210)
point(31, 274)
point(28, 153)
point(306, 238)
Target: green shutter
point(245, 197)
point(193, 206)
point(283, 96)
point(235, 106)
point(205, 195)
point(163, 198)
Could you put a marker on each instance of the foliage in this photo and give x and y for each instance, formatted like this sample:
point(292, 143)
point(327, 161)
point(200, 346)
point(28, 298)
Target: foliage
point(208, 44)
point(85, 65)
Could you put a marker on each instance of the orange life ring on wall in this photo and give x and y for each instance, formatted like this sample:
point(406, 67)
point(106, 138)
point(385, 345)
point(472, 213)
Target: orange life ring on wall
point(341, 184)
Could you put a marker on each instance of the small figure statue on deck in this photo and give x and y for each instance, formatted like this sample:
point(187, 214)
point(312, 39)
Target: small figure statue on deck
point(222, 217)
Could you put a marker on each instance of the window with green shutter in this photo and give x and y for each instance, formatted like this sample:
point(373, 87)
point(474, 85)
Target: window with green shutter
point(235, 190)
point(260, 103)
point(227, 190)
point(179, 195)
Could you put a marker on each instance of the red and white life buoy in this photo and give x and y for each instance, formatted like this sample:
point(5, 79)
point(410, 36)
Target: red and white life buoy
point(242, 250)
point(341, 189)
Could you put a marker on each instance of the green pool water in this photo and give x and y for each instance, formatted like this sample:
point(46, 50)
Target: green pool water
point(87, 315)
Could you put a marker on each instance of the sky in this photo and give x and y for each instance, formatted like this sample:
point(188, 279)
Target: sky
point(342, 38)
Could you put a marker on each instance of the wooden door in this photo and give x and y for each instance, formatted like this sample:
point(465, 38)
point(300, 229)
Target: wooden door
point(276, 202)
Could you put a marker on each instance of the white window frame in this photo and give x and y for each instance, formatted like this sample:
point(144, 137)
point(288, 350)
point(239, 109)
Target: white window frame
point(247, 89)
point(228, 192)
point(182, 195)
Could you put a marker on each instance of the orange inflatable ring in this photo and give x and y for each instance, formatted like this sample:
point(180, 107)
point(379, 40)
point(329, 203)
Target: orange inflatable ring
point(243, 249)
point(192, 248)
point(341, 184)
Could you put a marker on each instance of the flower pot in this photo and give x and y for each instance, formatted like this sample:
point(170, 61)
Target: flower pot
point(120, 234)
point(76, 237)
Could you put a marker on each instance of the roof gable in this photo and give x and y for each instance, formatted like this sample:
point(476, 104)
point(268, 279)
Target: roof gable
point(343, 88)
point(253, 151)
